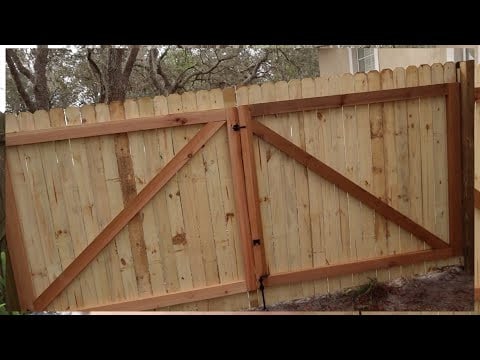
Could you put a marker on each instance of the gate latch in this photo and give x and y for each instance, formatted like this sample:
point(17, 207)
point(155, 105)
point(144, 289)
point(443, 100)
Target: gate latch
point(237, 127)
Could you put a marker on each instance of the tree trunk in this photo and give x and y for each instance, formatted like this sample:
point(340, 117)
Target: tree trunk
point(10, 58)
point(40, 88)
point(41, 96)
point(115, 81)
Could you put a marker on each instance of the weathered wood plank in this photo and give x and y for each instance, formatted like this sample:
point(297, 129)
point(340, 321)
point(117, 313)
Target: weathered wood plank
point(316, 185)
point(378, 168)
point(80, 173)
point(303, 233)
point(415, 161)
point(391, 170)
point(366, 246)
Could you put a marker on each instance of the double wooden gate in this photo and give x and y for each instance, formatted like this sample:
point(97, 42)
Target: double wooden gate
point(223, 201)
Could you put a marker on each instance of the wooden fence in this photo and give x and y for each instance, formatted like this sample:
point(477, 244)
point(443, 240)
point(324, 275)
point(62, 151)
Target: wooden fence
point(196, 201)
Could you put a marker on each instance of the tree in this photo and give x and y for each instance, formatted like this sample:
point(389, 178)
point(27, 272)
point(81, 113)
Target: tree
point(37, 78)
point(43, 78)
point(113, 76)
point(69, 80)
point(89, 74)
point(176, 69)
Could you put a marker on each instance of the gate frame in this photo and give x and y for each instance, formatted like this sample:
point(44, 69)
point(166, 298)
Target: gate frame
point(213, 120)
point(440, 249)
point(476, 195)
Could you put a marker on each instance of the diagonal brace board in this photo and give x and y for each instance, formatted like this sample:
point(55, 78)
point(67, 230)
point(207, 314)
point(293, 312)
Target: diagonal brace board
point(16, 247)
point(121, 220)
point(346, 185)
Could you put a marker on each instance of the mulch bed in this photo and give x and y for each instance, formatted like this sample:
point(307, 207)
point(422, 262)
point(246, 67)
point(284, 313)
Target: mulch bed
point(443, 289)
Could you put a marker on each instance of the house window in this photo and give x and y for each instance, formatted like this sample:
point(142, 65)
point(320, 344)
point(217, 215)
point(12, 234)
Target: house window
point(363, 59)
point(459, 54)
point(469, 54)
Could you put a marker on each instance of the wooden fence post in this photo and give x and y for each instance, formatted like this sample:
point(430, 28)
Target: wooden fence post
point(467, 100)
point(261, 267)
point(234, 143)
point(454, 163)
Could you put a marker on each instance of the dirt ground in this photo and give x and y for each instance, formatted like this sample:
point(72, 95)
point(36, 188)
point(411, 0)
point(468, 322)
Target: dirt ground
point(444, 289)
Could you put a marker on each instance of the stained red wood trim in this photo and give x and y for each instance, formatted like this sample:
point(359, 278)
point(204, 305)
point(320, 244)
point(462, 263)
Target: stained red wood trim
point(113, 127)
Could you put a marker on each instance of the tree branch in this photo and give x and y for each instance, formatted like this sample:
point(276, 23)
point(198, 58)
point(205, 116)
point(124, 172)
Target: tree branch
point(132, 57)
point(164, 53)
point(167, 84)
point(52, 97)
point(18, 83)
point(93, 65)
point(19, 65)
point(151, 70)
point(288, 59)
point(97, 74)
point(178, 81)
point(206, 72)
point(253, 75)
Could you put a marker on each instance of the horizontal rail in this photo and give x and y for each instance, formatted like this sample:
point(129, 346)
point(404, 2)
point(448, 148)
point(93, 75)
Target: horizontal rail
point(252, 313)
point(358, 266)
point(200, 117)
point(113, 127)
point(176, 298)
point(333, 101)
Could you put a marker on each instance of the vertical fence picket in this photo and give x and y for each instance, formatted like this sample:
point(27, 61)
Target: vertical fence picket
point(391, 171)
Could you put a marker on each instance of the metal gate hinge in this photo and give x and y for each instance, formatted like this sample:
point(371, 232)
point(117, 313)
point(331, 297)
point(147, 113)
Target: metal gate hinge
point(237, 127)
point(262, 289)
